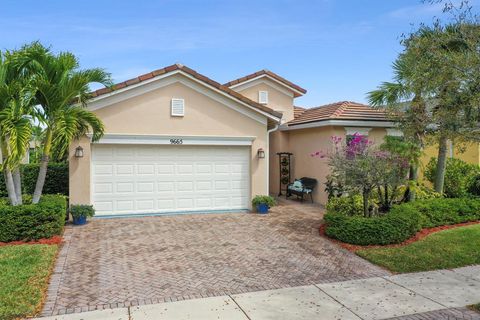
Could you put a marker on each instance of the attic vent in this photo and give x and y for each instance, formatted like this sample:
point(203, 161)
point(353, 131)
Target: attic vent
point(263, 97)
point(178, 107)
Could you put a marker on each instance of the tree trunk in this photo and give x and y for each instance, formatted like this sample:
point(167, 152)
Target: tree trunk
point(8, 175)
point(365, 203)
point(412, 177)
point(42, 172)
point(10, 187)
point(386, 196)
point(17, 183)
point(441, 164)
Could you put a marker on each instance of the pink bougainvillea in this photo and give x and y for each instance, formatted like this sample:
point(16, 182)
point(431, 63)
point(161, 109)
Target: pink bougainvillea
point(359, 166)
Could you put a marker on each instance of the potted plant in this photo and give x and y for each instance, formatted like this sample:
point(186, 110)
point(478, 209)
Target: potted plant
point(263, 203)
point(80, 212)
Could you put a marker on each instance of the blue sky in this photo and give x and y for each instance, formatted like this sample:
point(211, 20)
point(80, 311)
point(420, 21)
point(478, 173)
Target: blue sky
point(336, 49)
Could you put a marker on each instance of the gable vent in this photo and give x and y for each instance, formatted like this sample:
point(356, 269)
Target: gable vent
point(178, 107)
point(263, 97)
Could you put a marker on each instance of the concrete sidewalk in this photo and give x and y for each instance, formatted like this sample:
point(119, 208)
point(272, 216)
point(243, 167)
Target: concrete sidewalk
point(427, 295)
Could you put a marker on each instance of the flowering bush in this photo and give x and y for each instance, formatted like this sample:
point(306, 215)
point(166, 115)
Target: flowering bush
point(361, 167)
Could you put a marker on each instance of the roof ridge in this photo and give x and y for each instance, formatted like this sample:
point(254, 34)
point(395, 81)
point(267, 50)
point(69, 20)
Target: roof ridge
point(340, 109)
point(178, 66)
point(270, 74)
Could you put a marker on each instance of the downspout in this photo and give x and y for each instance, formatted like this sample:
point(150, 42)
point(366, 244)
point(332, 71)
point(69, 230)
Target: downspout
point(268, 156)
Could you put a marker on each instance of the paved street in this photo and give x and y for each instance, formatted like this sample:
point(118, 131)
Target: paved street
point(115, 263)
point(437, 295)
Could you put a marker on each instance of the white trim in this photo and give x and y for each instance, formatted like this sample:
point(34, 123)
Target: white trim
point(242, 86)
point(156, 83)
point(116, 138)
point(394, 132)
point(350, 131)
point(270, 78)
point(341, 123)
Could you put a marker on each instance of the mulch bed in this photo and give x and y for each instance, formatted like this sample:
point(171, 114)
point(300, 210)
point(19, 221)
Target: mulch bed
point(418, 236)
point(52, 240)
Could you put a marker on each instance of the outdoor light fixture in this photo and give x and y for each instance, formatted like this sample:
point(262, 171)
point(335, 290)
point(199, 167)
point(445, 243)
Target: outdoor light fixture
point(79, 152)
point(261, 153)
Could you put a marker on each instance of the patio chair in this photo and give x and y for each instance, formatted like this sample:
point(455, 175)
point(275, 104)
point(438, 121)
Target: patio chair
point(301, 187)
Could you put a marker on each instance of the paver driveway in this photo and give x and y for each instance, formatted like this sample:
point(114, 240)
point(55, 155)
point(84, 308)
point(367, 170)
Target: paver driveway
point(131, 261)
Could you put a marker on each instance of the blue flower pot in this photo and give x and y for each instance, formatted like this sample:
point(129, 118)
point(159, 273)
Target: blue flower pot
point(78, 221)
point(262, 208)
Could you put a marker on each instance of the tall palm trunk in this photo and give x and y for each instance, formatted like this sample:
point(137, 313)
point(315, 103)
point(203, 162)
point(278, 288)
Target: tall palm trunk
point(17, 183)
point(8, 175)
point(441, 164)
point(42, 173)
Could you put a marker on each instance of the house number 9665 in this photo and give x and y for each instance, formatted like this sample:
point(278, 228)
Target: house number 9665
point(176, 141)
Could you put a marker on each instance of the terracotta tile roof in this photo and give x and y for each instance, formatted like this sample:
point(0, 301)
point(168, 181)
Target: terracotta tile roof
point(271, 74)
point(192, 73)
point(297, 111)
point(344, 110)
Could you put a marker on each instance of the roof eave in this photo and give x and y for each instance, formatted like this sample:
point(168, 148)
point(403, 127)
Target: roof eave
point(339, 122)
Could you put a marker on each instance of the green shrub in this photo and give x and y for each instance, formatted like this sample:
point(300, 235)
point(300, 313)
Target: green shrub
point(440, 212)
point(31, 222)
point(459, 176)
point(56, 181)
point(402, 222)
point(387, 229)
point(474, 187)
point(269, 201)
point(349, 206)
point(82, 210)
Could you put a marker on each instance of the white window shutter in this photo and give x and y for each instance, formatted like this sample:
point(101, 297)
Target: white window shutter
point(178, 107)
point(263, 97)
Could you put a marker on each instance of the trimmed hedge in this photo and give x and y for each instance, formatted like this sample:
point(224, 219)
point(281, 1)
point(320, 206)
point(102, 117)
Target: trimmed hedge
point(402, 222)
point(31, 222)
point(56, 181)
point(391, 228)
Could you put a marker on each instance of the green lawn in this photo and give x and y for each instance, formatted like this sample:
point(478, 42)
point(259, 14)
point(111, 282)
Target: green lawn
point(24, 271)
point(445, 249)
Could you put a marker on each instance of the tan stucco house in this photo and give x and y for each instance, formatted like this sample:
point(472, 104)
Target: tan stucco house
point(177, 141)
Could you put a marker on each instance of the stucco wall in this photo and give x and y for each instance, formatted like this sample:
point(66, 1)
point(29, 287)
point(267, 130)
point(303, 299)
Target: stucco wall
point(305, 141)
point(470, 154)
point(149, 113)
point(277, 100)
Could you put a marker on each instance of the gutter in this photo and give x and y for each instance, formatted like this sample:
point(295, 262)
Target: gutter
point(268, 156)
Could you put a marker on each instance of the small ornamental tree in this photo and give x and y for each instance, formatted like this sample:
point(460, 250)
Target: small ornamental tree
point(361, 167)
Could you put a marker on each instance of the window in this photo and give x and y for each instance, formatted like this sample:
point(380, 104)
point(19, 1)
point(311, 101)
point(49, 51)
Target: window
point(394, 132)
point(263, 97)
point(178, 107)
point(351, 131)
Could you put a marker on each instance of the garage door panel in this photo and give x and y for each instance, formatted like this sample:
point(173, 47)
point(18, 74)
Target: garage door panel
point(156, 179)
point(146, 187)
point(166, 169)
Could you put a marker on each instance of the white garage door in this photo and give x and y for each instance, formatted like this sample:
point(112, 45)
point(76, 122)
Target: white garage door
point(129, 179)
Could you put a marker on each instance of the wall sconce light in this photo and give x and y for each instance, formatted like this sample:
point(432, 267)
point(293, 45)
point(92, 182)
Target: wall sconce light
point(261, 153)
point(79, 152)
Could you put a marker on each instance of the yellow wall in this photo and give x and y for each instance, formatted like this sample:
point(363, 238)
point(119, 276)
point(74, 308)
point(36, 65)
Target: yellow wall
point(470, 154)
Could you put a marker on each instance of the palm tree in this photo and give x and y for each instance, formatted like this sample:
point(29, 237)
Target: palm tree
point(407, 106)
point(15, 123)
point(62, 91)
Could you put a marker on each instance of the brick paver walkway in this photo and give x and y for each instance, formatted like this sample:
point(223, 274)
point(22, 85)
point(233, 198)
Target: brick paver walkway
point(113, 263)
